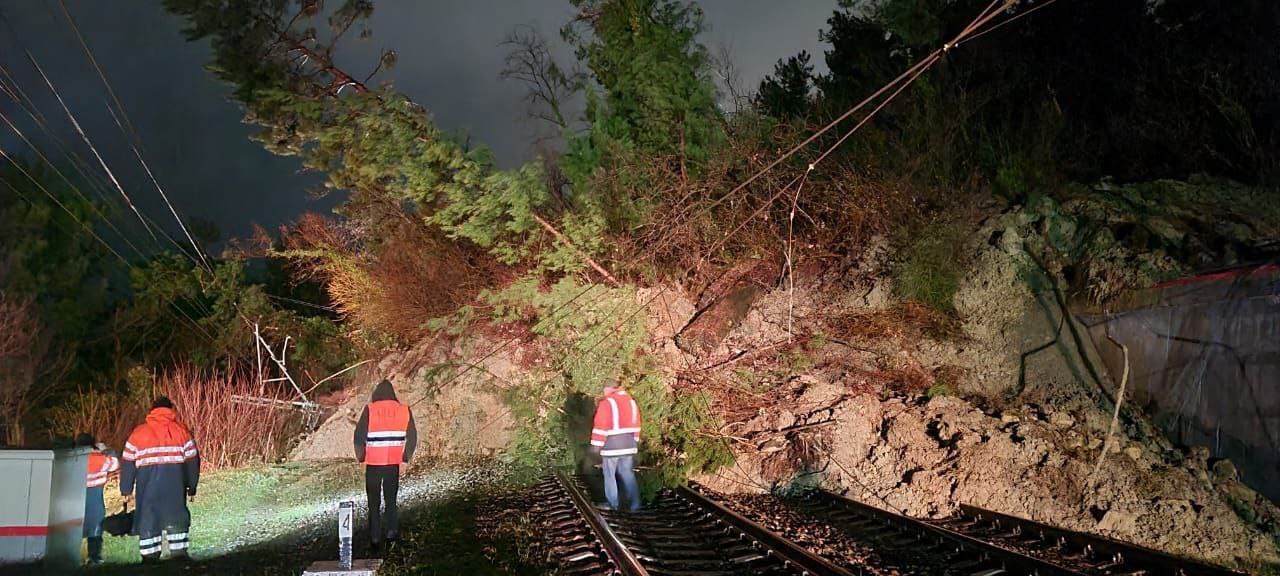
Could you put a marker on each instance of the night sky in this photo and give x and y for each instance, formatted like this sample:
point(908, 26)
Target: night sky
point(450, 56)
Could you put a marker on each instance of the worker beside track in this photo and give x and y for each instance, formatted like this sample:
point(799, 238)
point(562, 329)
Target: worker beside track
point(102, 464)
point(615, 435)
point(385, 438)
point(162, 466)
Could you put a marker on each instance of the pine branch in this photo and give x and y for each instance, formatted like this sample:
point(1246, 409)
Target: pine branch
point(588, 259)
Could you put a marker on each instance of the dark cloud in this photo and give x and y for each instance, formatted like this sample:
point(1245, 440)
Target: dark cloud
point(450, 57)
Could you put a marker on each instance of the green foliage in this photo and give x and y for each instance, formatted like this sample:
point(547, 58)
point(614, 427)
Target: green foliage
point(654, 116)
point(593, 334)
point(939, 389)
point(374, 143)
point(930, 272)
point(785, 94)
point(862, 58)
point(658, 91)
point(46, 253)
point(108, 324)
point(205, 317)
point(1190, 76)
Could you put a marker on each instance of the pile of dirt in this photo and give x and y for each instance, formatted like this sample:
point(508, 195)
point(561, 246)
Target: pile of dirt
point(1024, 440)
point(454, 389)
point(923, 457)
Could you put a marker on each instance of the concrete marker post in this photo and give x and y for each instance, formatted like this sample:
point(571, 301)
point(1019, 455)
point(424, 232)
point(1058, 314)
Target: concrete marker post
point(346, 565)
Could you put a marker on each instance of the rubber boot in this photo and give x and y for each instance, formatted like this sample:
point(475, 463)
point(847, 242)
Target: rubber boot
point(95, 551)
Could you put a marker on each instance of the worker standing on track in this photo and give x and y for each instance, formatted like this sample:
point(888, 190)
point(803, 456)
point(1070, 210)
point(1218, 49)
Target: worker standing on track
point(615, 434)
point(162, 467)
point(385, 439)
point(102, 464)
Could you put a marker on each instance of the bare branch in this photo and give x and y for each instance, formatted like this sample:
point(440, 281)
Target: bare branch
point(529, 62)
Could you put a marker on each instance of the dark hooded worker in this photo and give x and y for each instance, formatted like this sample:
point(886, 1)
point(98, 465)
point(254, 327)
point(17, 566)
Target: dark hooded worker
point(102, 464)
point(385, 439)
point(161, 470)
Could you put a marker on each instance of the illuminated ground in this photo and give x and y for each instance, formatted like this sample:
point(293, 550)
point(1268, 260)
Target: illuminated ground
point(278, 519)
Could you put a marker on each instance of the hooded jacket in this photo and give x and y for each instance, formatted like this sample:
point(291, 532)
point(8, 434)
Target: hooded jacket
point(386, 433)
point(162, 465)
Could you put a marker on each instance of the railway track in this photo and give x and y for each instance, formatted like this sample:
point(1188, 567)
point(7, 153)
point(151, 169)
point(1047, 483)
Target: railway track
point(978, 541)
point(685, 532)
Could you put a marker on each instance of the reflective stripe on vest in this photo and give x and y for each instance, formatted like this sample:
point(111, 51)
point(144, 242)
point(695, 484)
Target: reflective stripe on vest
point(160, 454)
point(388, 431)
point(616, 426)
point(100, 468)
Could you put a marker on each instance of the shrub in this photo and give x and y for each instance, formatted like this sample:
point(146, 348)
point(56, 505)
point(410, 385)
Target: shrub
point(938, 389)
point(230, 433)
point(109, 417)
point(393, 289)
point(21, 354)
point(930, 274)
point(596, 333)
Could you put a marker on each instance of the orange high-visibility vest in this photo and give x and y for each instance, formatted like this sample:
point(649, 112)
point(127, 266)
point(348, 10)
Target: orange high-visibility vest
point(388, 430)
point(616, 427)
point(100, 468)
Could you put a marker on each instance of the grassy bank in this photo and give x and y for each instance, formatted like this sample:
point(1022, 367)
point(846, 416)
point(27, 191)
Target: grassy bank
point(276, 520)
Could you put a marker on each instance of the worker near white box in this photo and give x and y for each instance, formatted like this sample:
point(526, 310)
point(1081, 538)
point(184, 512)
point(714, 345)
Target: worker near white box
point(162, 466)
point(102, 465)
point(385, 438)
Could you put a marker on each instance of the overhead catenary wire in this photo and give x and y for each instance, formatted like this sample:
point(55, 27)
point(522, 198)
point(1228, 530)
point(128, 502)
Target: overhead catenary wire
point(126, 126)
point(94, 180)
point(94, 61)
point(89, 143)
point(84, 173)
point(195, 247)
point(19, 96)
point(92, 205)
point(56, 201)
point(199, 329)
point(924, 63)
point(894, 87)
point(1003, 23)
point(88, 174)
point(15, 92)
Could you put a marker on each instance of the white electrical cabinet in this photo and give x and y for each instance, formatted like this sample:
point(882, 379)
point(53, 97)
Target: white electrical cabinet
point(42, 505)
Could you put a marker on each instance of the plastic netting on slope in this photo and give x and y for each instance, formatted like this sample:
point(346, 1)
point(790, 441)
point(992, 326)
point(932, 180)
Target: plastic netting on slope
point(1204, 360)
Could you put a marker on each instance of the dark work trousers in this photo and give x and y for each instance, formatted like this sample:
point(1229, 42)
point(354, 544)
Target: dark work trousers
point(94, 512)
point(382, 483)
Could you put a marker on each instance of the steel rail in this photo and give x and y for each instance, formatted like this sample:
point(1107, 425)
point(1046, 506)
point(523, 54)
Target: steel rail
point(623, 561)
point(781, 547)
point(1011, 560)
point(1131, 556)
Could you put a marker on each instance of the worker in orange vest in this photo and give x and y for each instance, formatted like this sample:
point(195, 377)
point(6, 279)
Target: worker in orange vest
point(385, 439)
point(102, 464)
point(615, 436)
point(162, 469)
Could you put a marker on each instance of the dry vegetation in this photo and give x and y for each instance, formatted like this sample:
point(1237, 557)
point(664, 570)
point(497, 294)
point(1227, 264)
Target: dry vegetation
point(21, 355)
point(393, 288)
point(229, 430)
